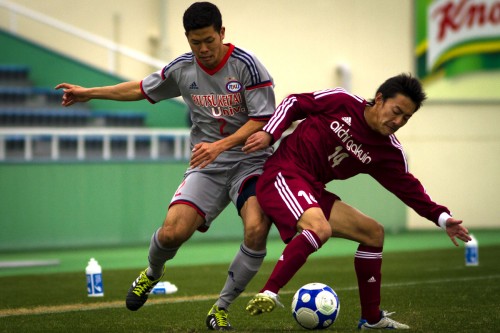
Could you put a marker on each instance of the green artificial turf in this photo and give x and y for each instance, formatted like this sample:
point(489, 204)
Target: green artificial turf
point(430, 290)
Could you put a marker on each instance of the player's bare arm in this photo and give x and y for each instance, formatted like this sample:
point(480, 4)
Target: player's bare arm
point(126, 91)
point(257, 141)
point(454, 228)
point(205, 153)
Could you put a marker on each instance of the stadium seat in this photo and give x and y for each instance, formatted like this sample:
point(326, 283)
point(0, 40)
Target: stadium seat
point(14, 75)
point(43, 117)
point(118, 119)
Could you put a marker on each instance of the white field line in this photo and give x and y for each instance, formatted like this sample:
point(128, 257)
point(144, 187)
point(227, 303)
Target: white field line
point(43, 310)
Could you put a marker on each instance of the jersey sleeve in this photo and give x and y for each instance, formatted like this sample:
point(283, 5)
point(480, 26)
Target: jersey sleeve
point(396, 178)
point(259, 87)
point(298, 106)
point(164, 84)
point(288, 111)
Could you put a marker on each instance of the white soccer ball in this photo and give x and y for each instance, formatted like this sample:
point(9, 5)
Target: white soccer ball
point(315, 306)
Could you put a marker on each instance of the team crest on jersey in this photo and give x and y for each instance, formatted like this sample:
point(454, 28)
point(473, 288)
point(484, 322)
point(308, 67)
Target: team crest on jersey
point(233, 86)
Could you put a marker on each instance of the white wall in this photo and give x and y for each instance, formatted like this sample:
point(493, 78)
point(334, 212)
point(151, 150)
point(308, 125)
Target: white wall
point(129, 22)
point(454, 148)
point(303, 42)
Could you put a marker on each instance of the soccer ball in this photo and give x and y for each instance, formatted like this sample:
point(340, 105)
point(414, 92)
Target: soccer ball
point(315, 306)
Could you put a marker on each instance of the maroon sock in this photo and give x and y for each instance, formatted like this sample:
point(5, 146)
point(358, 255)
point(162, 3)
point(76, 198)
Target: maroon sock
point(368, 265)
point(293, 257)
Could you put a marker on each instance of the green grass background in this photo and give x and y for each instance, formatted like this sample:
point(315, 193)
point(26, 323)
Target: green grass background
point(424, 280)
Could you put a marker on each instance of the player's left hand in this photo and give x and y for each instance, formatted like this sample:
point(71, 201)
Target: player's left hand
point(204, 153)
point(258, 140)
point(454, 228)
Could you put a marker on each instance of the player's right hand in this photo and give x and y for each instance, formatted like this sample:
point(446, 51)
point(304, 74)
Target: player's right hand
point(72, 94)
point(454, 228)
point(257, 141)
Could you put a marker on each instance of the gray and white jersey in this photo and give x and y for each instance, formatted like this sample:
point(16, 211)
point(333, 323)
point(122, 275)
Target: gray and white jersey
point(221, 100)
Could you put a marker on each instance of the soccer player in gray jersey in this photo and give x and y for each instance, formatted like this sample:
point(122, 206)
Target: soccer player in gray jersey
point(341, 135)
point(230, 95)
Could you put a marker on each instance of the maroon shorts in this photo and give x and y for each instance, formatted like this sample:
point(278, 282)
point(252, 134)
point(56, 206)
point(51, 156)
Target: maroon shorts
point(284, 196)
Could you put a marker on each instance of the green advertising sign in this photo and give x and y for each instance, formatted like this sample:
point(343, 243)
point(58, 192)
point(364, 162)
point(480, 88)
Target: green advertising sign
point(456, 36)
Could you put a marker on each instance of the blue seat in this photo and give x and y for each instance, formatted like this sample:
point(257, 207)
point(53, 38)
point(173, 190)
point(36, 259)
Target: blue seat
point(14, 74)
point(119, 118)
point(44, 117)
point(11, 96)
point(50, 95)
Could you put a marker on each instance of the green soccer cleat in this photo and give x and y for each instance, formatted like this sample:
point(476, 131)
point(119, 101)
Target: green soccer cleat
point(139, 291)
point(217, 319)
point(385, 323)
point(263, 302)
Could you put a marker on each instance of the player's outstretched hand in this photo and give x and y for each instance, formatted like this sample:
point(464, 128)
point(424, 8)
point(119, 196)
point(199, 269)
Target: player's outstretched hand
point(257, 141)
point(72, 94)
point(454, 228)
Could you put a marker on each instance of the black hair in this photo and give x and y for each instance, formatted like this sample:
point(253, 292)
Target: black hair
point(201, 15)
point(403, 84)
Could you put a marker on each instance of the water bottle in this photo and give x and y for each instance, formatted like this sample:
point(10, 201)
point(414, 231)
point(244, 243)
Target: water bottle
point(94, 279)
point(471, 252)
point(164, 287)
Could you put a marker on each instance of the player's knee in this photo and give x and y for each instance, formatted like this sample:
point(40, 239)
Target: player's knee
point(377, 234)
point(258, 230)
point(323, 231)
point(167, 238)
point(313, 219)
point(174, 234)
point(255, 233)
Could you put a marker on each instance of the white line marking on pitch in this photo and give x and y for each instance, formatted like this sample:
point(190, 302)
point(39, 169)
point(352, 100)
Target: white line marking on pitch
point(42, 310)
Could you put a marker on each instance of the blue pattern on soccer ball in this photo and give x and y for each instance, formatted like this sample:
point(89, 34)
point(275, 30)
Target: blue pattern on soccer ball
point(315, 306)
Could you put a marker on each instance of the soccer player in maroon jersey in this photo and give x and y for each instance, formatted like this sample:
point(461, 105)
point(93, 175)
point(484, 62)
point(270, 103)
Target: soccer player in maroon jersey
point(340, 135)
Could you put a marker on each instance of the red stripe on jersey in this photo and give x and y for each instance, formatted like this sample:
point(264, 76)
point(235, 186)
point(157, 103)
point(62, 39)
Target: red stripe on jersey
point(260, 85)
point(220, 65)
point(163, 77)
point(150, 100)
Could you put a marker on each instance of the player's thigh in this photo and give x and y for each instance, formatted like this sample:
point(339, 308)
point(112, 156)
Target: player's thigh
point(256, 224)
point(243, 178)
point(314, 219)
point(350, 223)
point(284, 196)
point(206, 192)
point(179, 225)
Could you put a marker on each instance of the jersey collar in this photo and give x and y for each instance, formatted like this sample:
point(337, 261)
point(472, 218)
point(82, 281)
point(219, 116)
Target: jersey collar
point(221, 64)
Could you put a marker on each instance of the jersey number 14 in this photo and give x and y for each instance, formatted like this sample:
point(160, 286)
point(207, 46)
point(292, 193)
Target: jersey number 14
point(337, 156)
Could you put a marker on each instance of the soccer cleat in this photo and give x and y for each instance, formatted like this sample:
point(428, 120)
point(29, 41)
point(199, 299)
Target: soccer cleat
point(139, 291)
point(217, 319)
point(385, 323)
point(263, 302)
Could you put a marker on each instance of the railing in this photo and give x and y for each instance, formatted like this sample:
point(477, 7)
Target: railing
point(113, 48)
point(42, 144)
point(84, 143)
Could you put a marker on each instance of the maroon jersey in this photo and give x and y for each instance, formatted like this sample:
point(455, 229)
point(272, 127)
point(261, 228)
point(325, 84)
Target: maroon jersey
point(334, 141)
